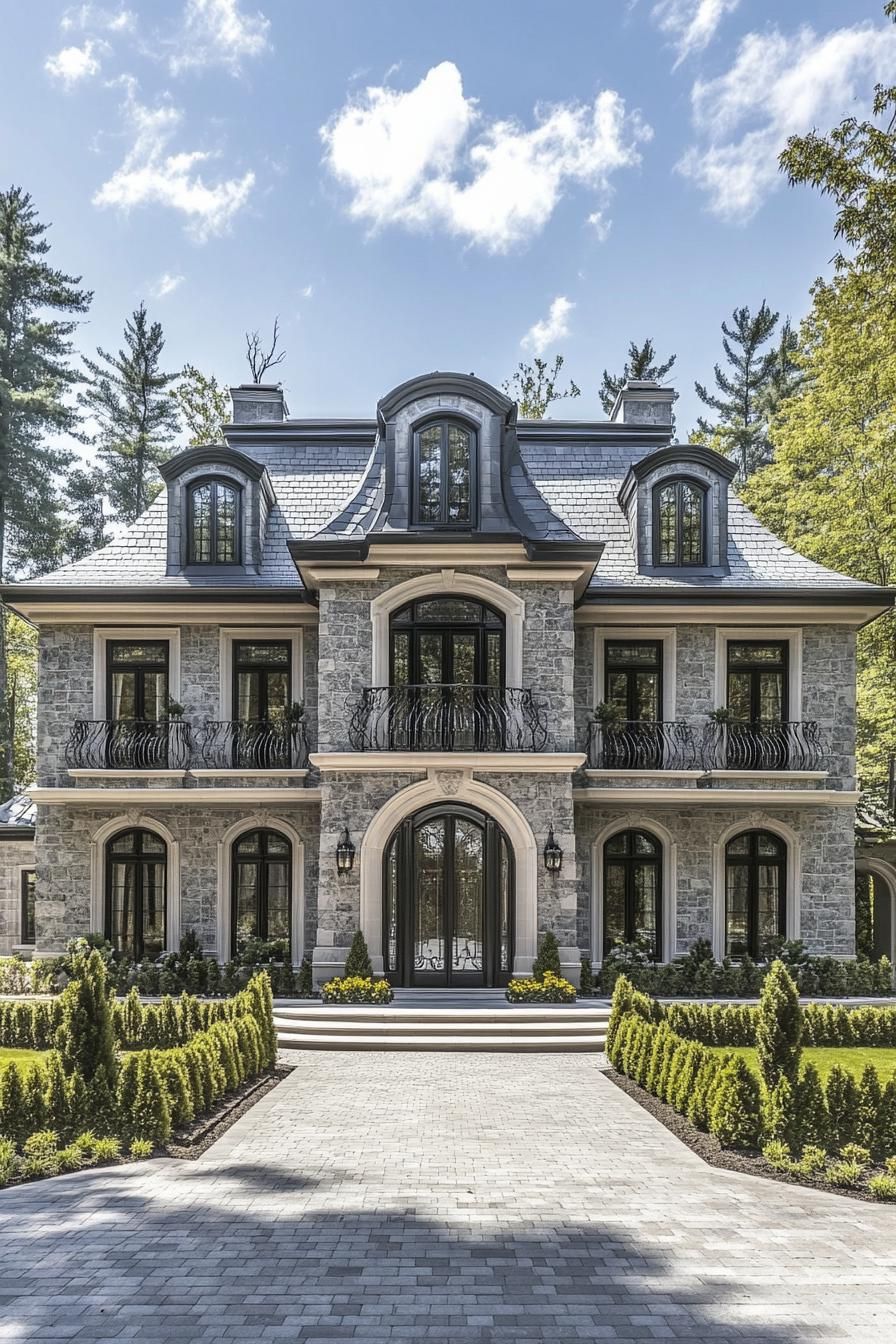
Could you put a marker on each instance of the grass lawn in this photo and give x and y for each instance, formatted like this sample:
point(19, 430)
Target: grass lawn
point(853, 1058)
point(32, 1056)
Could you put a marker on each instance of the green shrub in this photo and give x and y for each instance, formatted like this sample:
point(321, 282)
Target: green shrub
point(655, 1065)
point(842, 1097)
point(779, 1115)
point(778, 1028)
point(34, 1105)
point(586, 977)
point(13, 1115)
point(7, 1161)
point(855, 1152)
point(85, 1146)
point(886, 1119)
point(149, 1116)
point(167, 1024)
point(40, 1156)
point(700, 1101)
point(548, 958)
point(777, 1155)
point(843, 1173)
point(107, 1150)
point(811, 1108)
point(55, 1093)
point(868, 1128)
point(173, 1071)
point(549, 988)
point(882, 1187)
point(813, 1159)
point(622, 1002)
point(100, 1105)
point(305, 979)
point(85, 1038)
point(356, 989)
point(69, 1158)
point(141, 1148)
point(734, 1117)
point(358, 962)
point(129, 1021)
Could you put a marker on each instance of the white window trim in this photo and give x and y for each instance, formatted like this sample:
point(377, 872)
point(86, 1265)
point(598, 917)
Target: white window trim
point(229, 634)
point(102, 636)
point(669, 889)
point(773, 634)
point(128, 821)
point(260, 821)
point(667, 637)
point(757, 821)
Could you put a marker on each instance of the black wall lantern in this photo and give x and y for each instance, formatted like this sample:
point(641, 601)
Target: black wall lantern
point(553, 854)
point(345, 854)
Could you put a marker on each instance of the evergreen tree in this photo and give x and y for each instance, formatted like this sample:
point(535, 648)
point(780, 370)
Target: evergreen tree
point(548, 958)
point(534, 387)
point(358, 960)
point(741, 396)
point(203, 404)
point(641, 363)
point(778, 1028)
point(21, 697)
point(84, 525)
point(129, 396)
point(37, 308)
point(84, 1038)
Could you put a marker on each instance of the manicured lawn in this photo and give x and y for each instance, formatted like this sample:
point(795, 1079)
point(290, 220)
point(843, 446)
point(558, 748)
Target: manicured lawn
point(29, 1056)
point(853, 1058)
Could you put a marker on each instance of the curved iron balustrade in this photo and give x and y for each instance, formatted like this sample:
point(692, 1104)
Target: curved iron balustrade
point(641, 745)
point(455, 717)
point(129, 744)
point(765, 745)
point(254, 744)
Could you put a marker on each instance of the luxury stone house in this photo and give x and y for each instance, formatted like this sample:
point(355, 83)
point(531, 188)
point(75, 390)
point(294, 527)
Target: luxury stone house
point(452, 677)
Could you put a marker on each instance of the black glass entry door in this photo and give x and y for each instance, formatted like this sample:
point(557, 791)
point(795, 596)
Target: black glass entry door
point(448, 901)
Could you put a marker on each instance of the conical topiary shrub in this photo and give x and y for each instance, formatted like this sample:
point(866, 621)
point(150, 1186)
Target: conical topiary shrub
point(548, 958)
point(778, 1028)
point(358, 960)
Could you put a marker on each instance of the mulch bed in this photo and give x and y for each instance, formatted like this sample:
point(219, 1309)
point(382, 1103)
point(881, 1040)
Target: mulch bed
point(193, 1141)
point(707, 1147)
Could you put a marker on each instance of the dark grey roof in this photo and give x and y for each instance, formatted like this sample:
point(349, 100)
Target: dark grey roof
point(17, 818)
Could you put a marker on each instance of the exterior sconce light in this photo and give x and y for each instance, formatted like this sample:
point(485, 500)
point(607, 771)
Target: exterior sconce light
point(345, 854)
point(553, 854)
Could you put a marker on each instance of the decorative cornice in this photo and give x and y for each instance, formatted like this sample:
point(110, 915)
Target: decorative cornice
point(445, 385)
point(482, 762)
point(207, 455)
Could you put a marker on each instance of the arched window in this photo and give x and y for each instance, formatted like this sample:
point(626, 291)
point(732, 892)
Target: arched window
point(679, 523)
point(755, 884)
point(632, 886)
point(262, 887)
point(213, 523)
point(136, 882)
point(444, 493)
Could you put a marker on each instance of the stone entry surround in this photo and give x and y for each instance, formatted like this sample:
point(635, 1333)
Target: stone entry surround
point(421, 1197)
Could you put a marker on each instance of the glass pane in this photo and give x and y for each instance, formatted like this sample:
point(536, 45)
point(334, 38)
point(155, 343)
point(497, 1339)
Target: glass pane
point(153, 910)
point(618, 844)
point(771, 696)
point(262, 653)
point(458, 475)
point(768, 907)
point(129, 654)
point(151, 844)
point(276, 844)
point(429, 474)
point(201, 535)
point(691, 524)
point(629, 655)
point(666, 530)
point(617, 691)
point(739, 699)
point(28, 888)
point(225, 540)
point(246, 897)
point(752, 655)
point(463, 659)
point(391, 949)
point(647, 695)
point(768, 844)
point(449, 610)
point(429, 914)
point(466, 950)
point(739, 845)
point(736, 906)
point(123, 881)
point(430, 658)
point(248, 696)
point(124, 695)
point(278, 900)
point(494, 658)
point(504, 907)
point(249, 844)
point(126, 843)
point(614, 905)
point(401, 658)
point(277, 690)
point(644, 844)
point(644, 881)
point(155, 693)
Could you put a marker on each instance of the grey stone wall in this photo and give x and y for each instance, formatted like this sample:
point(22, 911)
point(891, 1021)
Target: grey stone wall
point(14, 856)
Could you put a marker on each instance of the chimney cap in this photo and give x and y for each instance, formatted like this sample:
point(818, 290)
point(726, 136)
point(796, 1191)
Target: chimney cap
point(643, 401)
point(258, 403)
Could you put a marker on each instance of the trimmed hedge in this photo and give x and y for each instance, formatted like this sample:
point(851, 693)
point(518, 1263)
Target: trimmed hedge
point(824, 1024)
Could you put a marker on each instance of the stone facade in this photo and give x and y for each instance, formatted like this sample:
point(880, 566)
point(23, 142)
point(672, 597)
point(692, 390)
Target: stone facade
point(15, 857)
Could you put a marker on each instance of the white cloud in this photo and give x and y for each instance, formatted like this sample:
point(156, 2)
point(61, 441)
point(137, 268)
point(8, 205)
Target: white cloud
point(779, 85)
point(307, 291)
point(96, 17)
point(600, 224)
point(690, 24)
point(149, 175)
point(166, 284)
point(551, 328)
point(71, 65)
point(218, 33)
point(412, 158)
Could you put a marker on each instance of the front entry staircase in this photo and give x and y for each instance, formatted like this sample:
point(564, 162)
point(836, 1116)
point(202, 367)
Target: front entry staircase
point(439, 1019)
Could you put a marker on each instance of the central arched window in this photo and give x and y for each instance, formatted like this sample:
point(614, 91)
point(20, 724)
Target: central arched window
point(262, 882)
point(136, 881)
point(444, 476)
point(632, 886)
point(213, 523)
point(679, 523)
point(755, 878)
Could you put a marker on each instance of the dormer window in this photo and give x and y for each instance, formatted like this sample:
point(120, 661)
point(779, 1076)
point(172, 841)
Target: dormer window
point(444, 475)
point(679, 512)
point(213, 523)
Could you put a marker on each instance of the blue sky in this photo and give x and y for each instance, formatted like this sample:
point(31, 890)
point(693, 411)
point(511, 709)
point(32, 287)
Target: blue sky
point(411, 185)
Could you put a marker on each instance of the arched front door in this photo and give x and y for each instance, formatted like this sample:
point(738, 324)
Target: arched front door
point(448, 900)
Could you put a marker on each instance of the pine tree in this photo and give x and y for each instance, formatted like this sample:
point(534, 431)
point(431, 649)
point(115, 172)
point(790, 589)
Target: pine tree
point(203, 404)
point(842, 1098)
point(811, 1108)
point(84, 526)
point(741, 396)
point(548, 958)
point(641, 363)
point(85, 1038)
point(734, 1114)
point(37, 305)
point(778, 1028)
point(358, 960)
point(129, 397)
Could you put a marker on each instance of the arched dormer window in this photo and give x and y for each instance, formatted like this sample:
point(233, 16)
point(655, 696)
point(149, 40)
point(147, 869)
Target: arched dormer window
point(679, 523)
point(213, 522)
point(444, 475)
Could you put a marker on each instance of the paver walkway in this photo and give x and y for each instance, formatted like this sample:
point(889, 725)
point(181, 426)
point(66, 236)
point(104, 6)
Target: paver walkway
point(442, 1197)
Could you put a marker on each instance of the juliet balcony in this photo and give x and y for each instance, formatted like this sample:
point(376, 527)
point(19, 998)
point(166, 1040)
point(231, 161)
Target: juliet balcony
point(259, 744)
point(447, 718)
point(129, 744)
point(174, 746)
point(763, 747)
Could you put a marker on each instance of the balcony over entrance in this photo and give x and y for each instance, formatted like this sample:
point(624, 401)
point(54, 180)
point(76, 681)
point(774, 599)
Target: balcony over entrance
point(445, 717)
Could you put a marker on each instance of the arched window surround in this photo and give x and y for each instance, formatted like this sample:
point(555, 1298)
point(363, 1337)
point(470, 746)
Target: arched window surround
point(444, 523)
point(217, 484)
point(757, 821)
point(260, 821)
point(262, 860)
point(681, 560)
point(127, 822)
point(668, 881)
point(749, 861)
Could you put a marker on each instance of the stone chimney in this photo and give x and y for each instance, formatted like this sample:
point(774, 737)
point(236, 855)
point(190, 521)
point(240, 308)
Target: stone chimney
point(258, 403)
point(643, 402)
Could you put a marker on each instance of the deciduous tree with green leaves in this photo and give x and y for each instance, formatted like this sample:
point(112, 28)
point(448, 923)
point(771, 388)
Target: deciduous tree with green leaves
point(21, 695)
point(641, 362)
point(203, 405)
point(128, 394)
point(534, 387)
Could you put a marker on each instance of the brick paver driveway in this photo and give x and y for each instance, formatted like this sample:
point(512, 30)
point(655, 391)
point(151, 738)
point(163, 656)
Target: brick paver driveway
point(442, 1197)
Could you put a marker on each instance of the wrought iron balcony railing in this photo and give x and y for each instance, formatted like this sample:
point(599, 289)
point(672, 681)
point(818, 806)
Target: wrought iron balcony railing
point(255, 744)
point(129, 744)
point(641, 745)
point(765, 745)
point(447, 718)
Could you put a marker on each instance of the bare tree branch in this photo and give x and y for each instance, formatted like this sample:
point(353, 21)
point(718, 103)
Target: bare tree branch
point(258, 361)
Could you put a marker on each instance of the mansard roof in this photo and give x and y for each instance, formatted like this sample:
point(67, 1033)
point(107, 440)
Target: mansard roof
point(559, 493)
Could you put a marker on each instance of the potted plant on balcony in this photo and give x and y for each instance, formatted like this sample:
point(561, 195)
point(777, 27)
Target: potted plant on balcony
point(173, 709)
point(721, 715)
point(608, 714)
point(294, 712)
